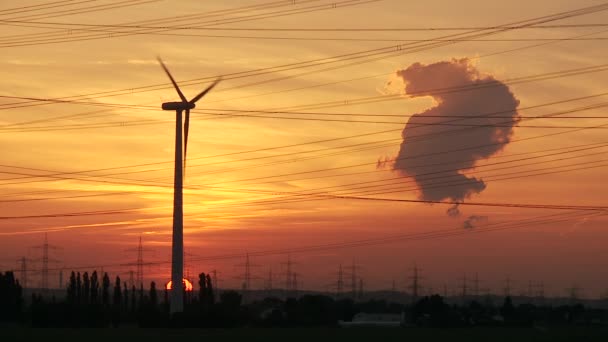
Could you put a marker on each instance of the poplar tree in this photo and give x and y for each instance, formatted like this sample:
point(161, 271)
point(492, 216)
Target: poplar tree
point(105, 290)
point(94, 287)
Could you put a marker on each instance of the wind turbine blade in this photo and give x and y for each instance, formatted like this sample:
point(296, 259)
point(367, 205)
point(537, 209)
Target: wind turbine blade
point(179, 92)
point(186, 129)
point(204, 92)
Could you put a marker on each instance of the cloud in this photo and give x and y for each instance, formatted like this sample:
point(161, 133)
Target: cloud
point(474, 220)
point(436, 155)
point(385, 162)
point(453, 211)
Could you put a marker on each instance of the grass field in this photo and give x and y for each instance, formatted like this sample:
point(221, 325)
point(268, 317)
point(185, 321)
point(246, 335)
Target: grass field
point(303, 334)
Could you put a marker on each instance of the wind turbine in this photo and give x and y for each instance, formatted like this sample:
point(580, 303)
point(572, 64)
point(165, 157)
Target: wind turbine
point(177, 252)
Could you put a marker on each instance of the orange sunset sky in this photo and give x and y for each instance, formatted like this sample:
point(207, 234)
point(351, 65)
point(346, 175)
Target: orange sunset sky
point(82, 133)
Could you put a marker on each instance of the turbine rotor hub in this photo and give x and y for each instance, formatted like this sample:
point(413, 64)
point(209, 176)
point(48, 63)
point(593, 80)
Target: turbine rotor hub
point(178, 106)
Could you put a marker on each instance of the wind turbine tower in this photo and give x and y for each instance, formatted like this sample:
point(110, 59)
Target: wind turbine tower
point(177, 251)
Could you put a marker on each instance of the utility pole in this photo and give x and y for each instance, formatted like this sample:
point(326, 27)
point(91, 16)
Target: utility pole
point(288, 274)
point(215, 281)
point(23, 271)
point(393, 293)
point(295, 284)
point(44, 283)
point(360, 288)
point(340, 283)
point(507, 288)
point(131, 279)
point(573, 294)
point(269, 281)
point(541, 292)
point(353, 279)
point(415, 287)
point(139, 263)
point(246, 277)
point(288, 277)
point(247, 283)
point(445, 291)
point(464, 288)
point(61, 278)
point(476, 282)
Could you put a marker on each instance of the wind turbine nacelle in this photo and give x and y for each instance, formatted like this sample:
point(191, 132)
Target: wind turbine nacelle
point(178, 106)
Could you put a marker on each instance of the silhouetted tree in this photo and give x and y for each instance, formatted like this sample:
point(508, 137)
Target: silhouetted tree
point(141, 296)
point(10, 297)
point(133, 299)
point(117, 292)
point(94, 287)
point(72, 288)
point(78, 288)
point(86, 288)
point(153, 295)
point(210, 294)
point(202, 284)
point(507, 310)
point(205, 293)
point(432, 311)
point(117, 301)
point(125, 295)
point(230, 303)
point(166, 300)
point(105, 290)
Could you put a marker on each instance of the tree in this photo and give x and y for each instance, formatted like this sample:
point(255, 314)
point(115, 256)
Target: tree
point(133, 300)
point(105, 290)
point(231, 300)
point(72, 288)
point(10, 297)
point(125, 294)
point(202, 285)
point(117, 292)
point(86, 288)
point(153, 295)
point(141, 295)
point(205, 294)
point(508, 310)
point(117, 300)
point(94, 287)
point(210, 294)
point(78, 288)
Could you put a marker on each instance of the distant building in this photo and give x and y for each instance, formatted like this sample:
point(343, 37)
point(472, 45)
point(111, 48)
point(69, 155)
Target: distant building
point(363, 319)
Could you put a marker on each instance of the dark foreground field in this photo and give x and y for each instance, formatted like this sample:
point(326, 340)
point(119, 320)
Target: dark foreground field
point(312, 334)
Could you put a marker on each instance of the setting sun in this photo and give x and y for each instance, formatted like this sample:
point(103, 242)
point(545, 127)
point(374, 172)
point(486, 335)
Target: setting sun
point(187, 285)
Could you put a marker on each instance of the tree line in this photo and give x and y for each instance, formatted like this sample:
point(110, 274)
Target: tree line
point(94, 300)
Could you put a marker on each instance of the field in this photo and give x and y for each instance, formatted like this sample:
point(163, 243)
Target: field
point(302, 334)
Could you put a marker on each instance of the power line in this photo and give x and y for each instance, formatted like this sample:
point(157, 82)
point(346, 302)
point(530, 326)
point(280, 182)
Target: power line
point(111, 29)
point(535, 156)
point(534, 153)
point(42, 6)
point(580, 148)
point(306, 197)
point(441, 233)
point(72, 214)
point(187, 17)
point(391, 50)
point(365, 100)
point(86, 9)
point(283, 29)
point(280, 13)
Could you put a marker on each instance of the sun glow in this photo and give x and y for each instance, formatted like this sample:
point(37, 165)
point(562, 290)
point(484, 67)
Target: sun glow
point(186, 282)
